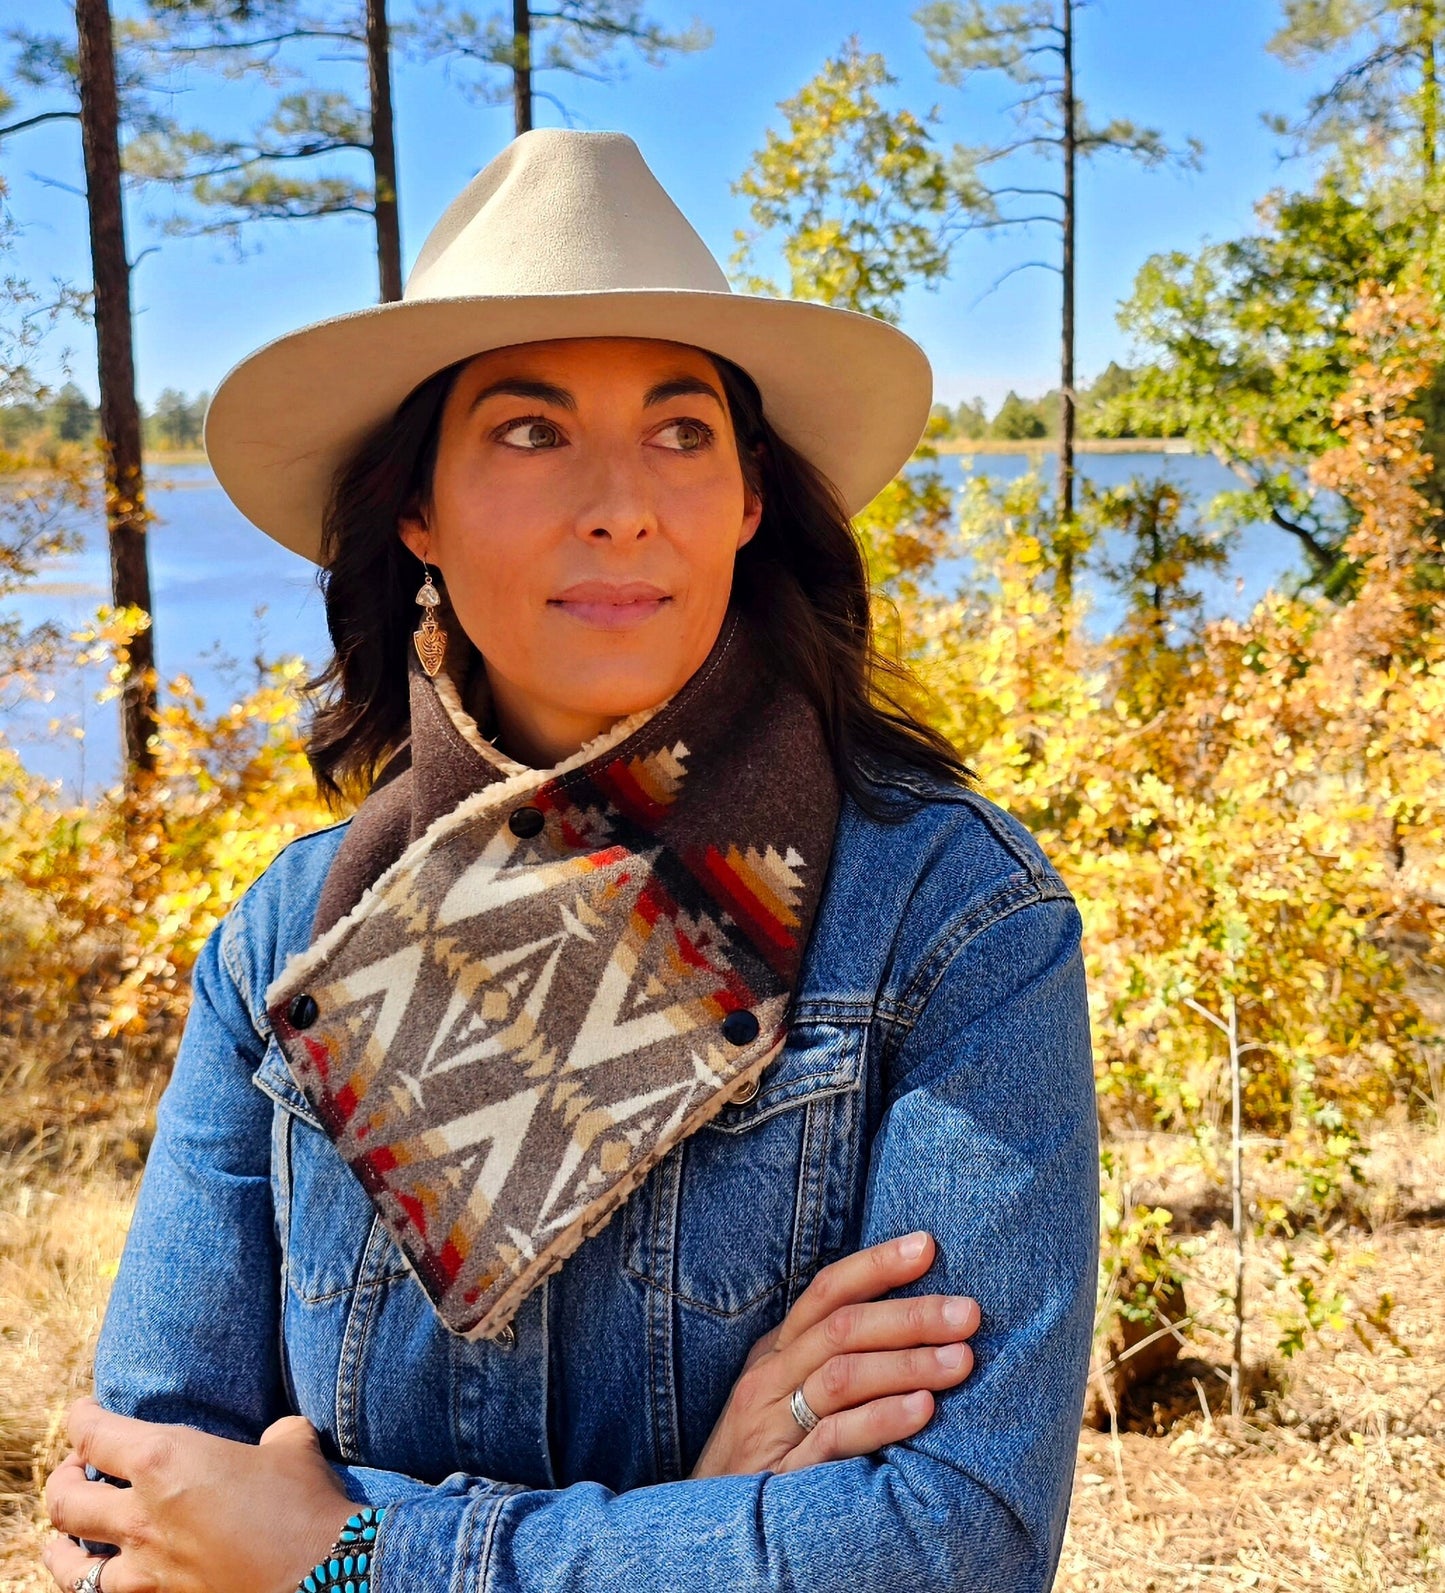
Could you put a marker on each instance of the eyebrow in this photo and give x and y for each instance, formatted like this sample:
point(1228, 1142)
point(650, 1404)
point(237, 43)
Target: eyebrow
point(550, 393)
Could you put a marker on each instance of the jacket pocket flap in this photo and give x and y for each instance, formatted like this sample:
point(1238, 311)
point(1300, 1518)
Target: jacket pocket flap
point(818, 1059)
point(275, 1078)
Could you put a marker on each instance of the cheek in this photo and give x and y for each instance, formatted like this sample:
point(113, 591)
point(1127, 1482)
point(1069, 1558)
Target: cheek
point(491, 535)
point(703, 518)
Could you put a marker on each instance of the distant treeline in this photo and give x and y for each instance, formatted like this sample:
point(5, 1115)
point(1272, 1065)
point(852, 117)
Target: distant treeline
point(34, 430)
point(175, 422)
point(1100, 413)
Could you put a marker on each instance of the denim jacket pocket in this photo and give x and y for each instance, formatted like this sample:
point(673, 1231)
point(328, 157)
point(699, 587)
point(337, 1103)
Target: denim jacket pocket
point(324, 1218)
point(759, 1197)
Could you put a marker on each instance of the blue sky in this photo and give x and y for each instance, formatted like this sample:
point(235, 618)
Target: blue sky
point(1196, 70)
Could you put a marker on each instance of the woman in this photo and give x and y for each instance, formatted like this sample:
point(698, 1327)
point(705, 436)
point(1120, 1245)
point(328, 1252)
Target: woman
point(605, 1155)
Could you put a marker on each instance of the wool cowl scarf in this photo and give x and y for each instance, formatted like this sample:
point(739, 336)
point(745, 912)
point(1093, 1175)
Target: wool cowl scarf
point(525, 986)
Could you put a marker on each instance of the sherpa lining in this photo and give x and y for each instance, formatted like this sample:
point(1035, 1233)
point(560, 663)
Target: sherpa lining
point(468, 729)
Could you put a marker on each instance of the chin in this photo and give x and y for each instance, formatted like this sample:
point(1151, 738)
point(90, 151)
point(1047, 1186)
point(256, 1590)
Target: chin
point(618, 691)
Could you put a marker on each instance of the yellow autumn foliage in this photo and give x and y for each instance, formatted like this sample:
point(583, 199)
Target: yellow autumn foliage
point(1270, 828)
point(1252, 814)
point(103, 907)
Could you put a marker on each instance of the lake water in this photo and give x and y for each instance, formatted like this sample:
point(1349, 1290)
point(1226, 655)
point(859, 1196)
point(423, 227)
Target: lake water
point(226, 595)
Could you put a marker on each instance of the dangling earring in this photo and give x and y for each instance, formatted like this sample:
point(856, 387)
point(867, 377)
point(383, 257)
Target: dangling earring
point(431, 639)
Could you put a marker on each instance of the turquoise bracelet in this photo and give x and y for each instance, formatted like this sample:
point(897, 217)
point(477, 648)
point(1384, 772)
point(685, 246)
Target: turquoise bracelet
point(347, 1568)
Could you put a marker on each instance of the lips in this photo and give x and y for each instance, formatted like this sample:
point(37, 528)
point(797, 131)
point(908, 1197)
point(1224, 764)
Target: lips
point(611, 605)
point(609, 592)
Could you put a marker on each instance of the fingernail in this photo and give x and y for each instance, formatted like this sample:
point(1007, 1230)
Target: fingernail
point(950, 1355)
point(912, 1246)
point(957, 1312)
point(917, 1404)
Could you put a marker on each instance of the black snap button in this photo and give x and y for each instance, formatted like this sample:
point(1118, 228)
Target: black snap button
point(302, 1012)
point(740, 1027)
point(526, 821)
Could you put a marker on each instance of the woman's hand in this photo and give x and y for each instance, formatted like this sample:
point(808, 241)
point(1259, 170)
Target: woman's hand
point(866, 1366)
point(202, 1514)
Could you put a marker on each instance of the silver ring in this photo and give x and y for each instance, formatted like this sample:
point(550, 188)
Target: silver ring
point(803, 1413)
point(90, 1582)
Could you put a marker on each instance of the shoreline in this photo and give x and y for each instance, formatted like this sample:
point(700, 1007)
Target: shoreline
point(1050, 445)
point(1026, 446)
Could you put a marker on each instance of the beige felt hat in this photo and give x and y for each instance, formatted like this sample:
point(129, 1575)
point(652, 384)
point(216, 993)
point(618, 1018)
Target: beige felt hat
point(563, 234)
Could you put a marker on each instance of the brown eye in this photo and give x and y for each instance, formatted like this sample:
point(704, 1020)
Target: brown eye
point(691, 435)
point(535, 435)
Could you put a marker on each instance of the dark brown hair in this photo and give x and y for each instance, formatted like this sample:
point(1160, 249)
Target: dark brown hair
point(801, 577)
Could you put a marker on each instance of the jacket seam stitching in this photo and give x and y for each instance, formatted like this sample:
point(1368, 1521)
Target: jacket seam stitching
point(234, 966)
point(1036, 867)
point(725, 1312)
point(286, 1102)
point(494, 1520)
point(349, 1288)
point(461, 1574)
point(965, 929)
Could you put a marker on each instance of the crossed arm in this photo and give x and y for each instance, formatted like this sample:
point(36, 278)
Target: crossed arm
point(988, 1142)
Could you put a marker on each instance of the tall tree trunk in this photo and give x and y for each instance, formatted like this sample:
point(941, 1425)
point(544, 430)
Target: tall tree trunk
point(1429, 89)
point(120, 428)
point(383, 151)
point(522, 63)
point(1066, 372)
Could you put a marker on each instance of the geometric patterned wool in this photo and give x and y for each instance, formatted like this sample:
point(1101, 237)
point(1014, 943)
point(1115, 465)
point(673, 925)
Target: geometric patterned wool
point(528, 985)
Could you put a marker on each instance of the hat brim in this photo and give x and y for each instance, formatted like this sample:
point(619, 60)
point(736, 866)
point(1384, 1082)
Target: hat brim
point(850, 392)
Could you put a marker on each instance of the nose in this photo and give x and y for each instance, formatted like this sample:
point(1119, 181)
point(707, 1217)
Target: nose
point(616, 502)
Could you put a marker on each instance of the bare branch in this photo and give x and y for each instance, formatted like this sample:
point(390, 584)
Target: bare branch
point(35, 121)
point(998, 282)
point(218, 46)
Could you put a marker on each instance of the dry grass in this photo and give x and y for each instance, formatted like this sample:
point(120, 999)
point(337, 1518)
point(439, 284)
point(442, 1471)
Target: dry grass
point(70, 1158)
point(1335, 1482)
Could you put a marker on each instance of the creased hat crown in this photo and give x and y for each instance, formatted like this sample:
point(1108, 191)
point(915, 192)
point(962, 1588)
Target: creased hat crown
point(561, 235)
point(563, 212)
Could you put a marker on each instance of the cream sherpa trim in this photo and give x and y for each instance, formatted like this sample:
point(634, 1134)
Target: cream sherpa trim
point(469, 730)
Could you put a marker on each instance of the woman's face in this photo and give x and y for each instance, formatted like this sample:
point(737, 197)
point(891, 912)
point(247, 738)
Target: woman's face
point(586, 508)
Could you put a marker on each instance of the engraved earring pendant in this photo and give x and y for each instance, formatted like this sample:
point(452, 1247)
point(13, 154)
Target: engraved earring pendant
point(430, 638)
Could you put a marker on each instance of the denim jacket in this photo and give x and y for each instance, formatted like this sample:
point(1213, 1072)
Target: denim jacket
point(937, 1076)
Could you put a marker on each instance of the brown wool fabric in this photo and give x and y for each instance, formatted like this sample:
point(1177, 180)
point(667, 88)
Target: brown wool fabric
point(525, 986)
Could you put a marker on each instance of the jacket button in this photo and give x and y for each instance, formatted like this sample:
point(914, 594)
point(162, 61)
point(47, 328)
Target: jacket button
point(740, 1027)
point(302, 1011)
point(526, 821)
point(746, 1092)
point(507, 1337)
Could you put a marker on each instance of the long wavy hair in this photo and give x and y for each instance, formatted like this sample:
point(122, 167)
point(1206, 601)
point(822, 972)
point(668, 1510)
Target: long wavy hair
point(801, 577)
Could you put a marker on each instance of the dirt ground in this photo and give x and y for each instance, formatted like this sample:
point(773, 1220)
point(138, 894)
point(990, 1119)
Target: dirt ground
point(1333, 1481)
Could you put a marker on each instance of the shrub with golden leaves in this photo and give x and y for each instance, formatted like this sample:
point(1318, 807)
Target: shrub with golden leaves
point(1271, 827)
point(103, 907)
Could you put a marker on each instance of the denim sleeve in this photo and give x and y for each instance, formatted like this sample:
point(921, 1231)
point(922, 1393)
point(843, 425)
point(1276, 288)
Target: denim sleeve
point(989, 1141)
point(191, 1329)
